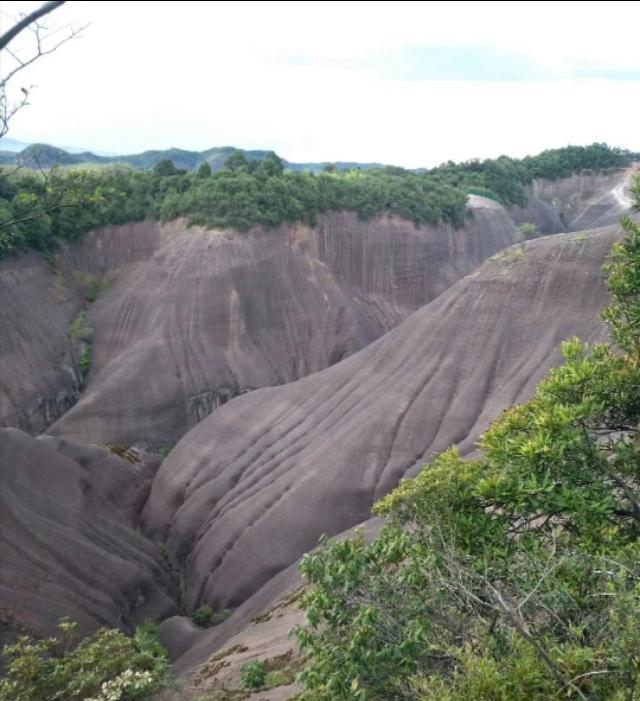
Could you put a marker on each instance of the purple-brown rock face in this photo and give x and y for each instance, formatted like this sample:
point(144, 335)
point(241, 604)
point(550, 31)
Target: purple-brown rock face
point(68, 542)
point(255, 484)
point(194, 317)
point(38, 378)
point(586, 200)
point(345, 355)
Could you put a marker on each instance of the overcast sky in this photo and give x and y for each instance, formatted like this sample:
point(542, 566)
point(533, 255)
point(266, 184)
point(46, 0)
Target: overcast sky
point(412, 84)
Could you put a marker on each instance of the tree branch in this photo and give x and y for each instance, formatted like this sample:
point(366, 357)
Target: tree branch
point(524, 632)
point(73, 33)
point(34, 16)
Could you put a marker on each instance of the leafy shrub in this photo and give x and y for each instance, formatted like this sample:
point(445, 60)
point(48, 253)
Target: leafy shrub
point(84, 361)
point(80, 329)
point(163, 550)
point(203, 616)
point(253, 674)
point(94, 287)
point(276, 678)
point(107, 666)
point(81, 332)
point(527, 231)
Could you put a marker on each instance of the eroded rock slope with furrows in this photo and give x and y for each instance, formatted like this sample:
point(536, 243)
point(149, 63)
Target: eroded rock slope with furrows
point(68, 539)
point(254, 485)
point(211, 315)
point(188, 319)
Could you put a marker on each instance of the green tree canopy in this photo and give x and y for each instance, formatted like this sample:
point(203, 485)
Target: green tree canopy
point(204, 170)
point(39, 210)
point(236, 162)
point(166, 167)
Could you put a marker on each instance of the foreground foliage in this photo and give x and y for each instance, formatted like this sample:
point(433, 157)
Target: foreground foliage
point(513, 576)
point(108, 666)
point(39, 210)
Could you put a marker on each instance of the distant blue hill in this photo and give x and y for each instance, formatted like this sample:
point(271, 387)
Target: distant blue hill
point(12, 145)
point(46, 156)
point(15, 146)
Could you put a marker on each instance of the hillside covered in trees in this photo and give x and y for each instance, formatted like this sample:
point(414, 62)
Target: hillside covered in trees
point(40, 208)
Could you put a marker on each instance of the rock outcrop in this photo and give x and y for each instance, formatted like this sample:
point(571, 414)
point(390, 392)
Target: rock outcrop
point(39, 379)
point(69, 545)
point(254, 485)
point(586, 200)
point(211, 314)
point(189, 318)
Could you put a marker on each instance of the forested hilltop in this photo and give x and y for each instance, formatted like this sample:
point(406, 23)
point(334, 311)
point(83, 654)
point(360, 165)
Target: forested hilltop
point(41, 208)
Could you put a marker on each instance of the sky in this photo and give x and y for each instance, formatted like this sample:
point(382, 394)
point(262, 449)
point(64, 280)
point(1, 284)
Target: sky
point(411, 84)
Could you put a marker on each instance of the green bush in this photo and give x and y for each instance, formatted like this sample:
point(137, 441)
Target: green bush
point(253, 674)
point(80, 329)
point(94, 287)
point(107, 666)
point(527, 231)
point(82, 333)
point(84, 361)
point(276, 678)
point(163, 550)
point(203, 616)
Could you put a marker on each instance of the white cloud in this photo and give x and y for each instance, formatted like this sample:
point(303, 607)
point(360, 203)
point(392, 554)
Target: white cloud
point(307, 79)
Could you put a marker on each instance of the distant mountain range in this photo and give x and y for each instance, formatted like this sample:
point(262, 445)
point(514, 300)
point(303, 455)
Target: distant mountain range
point(16, 146)
point(46, 156)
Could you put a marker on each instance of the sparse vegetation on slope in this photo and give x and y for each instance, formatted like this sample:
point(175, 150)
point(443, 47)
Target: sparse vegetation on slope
point(82, 334)
point(38, 212)
point(512, 576)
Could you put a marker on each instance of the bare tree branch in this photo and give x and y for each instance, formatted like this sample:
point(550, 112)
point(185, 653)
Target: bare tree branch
point(40, 51)
point(34, 16)
point(9, 108)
